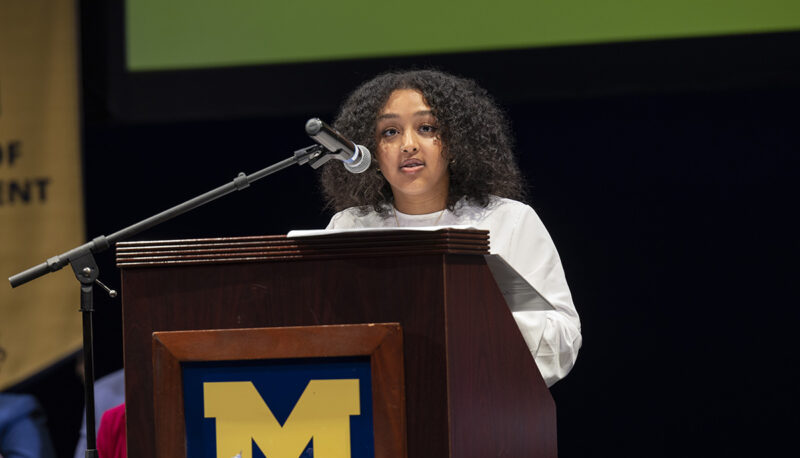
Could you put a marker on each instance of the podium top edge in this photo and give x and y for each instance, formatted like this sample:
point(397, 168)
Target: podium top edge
point(281, 248)
point(405, 233)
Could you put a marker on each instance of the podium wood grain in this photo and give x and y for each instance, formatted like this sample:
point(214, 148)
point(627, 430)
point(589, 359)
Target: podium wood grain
point(472, 387)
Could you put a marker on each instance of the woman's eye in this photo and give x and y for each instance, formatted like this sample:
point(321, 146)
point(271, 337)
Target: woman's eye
point(427, 128)
point(389, 132)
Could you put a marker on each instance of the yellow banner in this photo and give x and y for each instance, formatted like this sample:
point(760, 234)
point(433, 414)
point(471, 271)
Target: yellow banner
point(41, 209)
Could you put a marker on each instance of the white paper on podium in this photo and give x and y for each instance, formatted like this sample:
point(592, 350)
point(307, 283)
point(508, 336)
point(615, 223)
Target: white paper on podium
point(314, 232)
point(518, 293)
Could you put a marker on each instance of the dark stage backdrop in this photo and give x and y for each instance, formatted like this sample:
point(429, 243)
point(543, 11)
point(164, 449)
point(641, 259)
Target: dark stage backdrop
point(665, 171)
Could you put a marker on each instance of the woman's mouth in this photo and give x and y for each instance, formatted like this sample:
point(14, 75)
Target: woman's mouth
point(411, 165)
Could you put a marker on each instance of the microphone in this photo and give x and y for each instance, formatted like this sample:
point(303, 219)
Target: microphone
point(356, 158)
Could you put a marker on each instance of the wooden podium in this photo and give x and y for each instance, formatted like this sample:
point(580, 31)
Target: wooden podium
point(472, 387)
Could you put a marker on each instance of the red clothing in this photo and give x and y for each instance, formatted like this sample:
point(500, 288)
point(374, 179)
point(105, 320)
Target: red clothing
point(111, 436)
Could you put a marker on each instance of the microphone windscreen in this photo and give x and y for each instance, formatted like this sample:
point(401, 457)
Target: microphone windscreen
point(361, 162)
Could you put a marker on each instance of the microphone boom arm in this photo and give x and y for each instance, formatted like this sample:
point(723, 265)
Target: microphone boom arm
point(102, 243)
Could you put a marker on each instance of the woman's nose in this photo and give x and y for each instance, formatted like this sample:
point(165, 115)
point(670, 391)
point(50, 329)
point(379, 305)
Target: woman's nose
point(410, 144)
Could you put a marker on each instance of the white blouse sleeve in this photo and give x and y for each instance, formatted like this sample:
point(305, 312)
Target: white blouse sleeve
point(345, 219)
point(554, 337)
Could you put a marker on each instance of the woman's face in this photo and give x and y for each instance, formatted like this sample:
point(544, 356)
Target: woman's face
point(410, 152)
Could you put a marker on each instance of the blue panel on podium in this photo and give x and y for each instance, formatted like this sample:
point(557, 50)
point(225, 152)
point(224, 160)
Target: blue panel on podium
point(279, 407)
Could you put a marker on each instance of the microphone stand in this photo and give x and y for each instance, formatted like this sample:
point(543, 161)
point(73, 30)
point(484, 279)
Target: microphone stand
point(86, 271)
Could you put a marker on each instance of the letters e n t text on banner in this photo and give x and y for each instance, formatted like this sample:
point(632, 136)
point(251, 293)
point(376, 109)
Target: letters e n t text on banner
point(41, 203)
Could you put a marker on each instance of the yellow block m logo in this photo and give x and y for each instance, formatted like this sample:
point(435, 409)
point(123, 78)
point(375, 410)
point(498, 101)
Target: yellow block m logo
point(322, 413)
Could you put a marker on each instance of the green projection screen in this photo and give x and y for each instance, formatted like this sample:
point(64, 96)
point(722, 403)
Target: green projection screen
point(192, 34)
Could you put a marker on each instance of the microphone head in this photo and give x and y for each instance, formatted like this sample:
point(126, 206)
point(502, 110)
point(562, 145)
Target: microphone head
point(360, 161)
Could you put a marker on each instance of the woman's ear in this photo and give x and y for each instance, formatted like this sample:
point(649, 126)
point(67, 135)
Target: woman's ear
point(451, 160)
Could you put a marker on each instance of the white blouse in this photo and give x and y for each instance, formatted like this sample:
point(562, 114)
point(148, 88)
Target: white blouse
point(517, 234)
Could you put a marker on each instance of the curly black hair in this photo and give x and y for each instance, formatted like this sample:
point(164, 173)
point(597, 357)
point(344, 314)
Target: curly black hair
point(474, 131)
